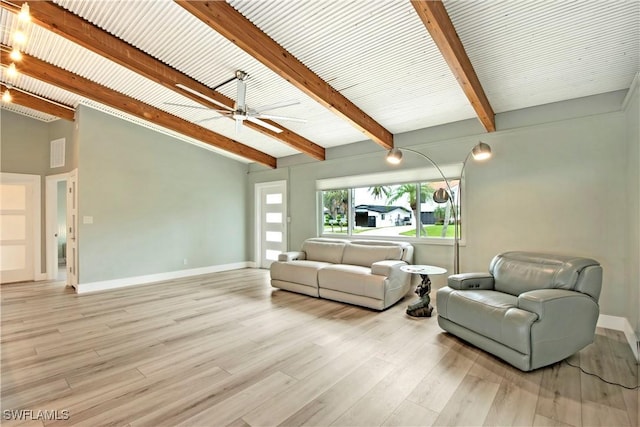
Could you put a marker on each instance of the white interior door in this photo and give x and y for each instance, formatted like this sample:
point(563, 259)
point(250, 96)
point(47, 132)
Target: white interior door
point(19, 227)
point(271, 224)
point(72, 227)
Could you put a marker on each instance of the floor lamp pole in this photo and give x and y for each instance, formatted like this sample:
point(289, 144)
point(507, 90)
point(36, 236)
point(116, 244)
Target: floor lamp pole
point(456, 245)
point(481, 151)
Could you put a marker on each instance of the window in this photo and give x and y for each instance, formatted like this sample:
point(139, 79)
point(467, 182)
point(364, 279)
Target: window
point(335, 211)
point(397, 211)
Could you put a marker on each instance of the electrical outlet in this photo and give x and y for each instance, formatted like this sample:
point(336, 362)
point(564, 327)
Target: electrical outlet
point(185, 261)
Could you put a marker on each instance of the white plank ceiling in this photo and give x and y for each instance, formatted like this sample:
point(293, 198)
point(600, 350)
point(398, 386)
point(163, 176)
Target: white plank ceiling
point(377, 53)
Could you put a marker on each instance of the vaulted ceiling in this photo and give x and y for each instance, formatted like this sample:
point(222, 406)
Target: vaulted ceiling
point(354, 70)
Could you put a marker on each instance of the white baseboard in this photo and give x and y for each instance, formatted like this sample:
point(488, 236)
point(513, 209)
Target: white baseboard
point(83, 288)
point(621, 324)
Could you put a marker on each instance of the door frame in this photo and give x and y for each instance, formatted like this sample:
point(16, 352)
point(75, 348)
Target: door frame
point(51, 212)
point(259, 186)
point(34, 180)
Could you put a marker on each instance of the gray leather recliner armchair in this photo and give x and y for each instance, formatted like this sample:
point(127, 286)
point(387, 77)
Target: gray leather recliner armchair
point(531, 310)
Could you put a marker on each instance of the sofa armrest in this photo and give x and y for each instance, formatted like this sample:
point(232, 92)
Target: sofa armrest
point(470, 281)
point(385, 268)
point(555, 304)
point(292, 256)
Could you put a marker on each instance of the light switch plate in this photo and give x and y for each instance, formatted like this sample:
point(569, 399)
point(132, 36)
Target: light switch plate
point(87, 220)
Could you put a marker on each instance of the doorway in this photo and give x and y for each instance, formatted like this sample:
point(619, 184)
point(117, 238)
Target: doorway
point(60, 211)
point(61, 230)
point(271, 221)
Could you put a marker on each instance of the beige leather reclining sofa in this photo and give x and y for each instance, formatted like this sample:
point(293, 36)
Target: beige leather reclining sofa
point(362, 272)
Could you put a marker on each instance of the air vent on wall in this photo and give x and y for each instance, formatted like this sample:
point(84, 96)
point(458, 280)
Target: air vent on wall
point(57, 153)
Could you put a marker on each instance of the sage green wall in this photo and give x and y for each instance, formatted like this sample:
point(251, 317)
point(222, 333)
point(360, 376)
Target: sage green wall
point(24, 148)
point(632, 113)
point(25, 144)
point(155, 201)
point(555, 183)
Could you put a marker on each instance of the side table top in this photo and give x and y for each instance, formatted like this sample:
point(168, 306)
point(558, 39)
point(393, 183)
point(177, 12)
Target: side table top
point(423, 269)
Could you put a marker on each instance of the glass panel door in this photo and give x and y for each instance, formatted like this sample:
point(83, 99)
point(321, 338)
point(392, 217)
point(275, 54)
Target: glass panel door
point(272, 222)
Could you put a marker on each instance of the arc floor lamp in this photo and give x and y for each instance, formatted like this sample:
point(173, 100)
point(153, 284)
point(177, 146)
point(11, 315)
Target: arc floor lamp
point(481, 151)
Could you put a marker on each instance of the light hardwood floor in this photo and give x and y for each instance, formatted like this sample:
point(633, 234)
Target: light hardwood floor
point(226, 349)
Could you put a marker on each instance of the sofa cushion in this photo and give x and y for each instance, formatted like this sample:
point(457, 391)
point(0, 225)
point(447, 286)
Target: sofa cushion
point(494, 315)
point(352, 279)
point(324, 250)
point(365, 255)
point(518, 272)
point(304, 272)
point(407, 248)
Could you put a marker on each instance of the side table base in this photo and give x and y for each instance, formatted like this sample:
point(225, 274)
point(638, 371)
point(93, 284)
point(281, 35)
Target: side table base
point(422, 307)
point(419, 309)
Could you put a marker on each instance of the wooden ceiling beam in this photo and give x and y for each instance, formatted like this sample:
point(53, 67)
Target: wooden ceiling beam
point(438, 23)
point(227, 21)
point(71, 82)
point(38, 103)
point(76, 29)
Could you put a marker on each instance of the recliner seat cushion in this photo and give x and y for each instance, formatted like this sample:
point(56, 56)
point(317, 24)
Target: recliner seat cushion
point(352, 279)
point(492, 314)
point(304, 272)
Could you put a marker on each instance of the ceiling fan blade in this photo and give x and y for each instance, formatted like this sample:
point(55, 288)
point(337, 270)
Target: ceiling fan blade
point(276, 105)
point(264, 124)
point(272, 117)
point(195, 92)
point(210, 118)
point(185, 105)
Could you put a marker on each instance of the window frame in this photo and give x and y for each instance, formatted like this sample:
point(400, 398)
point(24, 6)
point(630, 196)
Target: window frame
point(447, 241)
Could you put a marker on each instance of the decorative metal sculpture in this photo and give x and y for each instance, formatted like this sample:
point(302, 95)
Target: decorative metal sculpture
point(423, 307)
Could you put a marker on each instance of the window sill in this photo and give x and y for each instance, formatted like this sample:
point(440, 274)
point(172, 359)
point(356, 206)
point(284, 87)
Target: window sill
point(414, 241)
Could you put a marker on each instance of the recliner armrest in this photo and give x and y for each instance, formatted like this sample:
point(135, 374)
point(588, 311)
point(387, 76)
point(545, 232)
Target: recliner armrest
point(473, 281)
point(544, 302)
point(384, 268)
point(292, 256)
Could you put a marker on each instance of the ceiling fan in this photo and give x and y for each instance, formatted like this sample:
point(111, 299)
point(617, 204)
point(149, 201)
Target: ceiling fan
point(241, 112)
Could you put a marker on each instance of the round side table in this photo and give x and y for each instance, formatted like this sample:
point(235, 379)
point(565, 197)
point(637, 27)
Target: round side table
point(422, 307)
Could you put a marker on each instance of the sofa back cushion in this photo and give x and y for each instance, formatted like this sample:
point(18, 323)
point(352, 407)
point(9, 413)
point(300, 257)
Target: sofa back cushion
point(407, 248)
point(365, 254)
point(518, 272)
point(325, 250)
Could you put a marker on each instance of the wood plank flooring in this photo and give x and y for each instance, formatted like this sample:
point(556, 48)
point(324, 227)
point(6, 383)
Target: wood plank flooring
point(227, 349)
